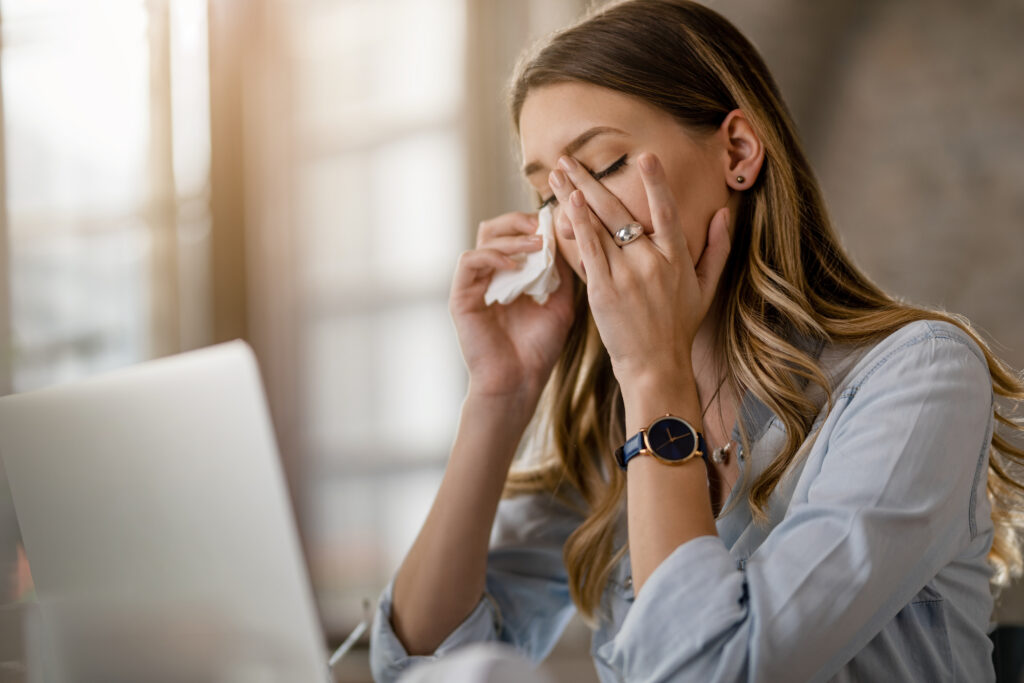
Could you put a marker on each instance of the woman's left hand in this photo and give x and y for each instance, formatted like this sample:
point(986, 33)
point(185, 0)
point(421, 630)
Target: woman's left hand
point(647, 297)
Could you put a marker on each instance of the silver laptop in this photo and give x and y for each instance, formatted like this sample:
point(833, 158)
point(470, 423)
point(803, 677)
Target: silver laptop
point(157, 525)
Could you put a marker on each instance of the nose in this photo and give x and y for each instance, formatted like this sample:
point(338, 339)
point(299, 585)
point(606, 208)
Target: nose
point(562, 225)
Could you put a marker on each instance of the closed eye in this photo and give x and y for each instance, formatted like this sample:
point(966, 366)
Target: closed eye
point(616, 165)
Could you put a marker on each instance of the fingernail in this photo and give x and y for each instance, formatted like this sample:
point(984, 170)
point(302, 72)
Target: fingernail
point(567, 163)
point(647, 163)
point(535, 239)
point(577, 198)
point(556, 178)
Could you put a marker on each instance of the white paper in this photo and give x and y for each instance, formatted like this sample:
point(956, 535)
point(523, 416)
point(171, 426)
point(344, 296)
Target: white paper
point(538, 276)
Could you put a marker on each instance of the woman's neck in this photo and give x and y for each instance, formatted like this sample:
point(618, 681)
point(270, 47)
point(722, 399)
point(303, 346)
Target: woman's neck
point(718, 399)
point(708, 361)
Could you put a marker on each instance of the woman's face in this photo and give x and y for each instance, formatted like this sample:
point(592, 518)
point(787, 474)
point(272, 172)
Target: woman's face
point(564, 116)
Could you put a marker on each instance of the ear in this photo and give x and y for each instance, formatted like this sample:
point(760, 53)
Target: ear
point(744, 152)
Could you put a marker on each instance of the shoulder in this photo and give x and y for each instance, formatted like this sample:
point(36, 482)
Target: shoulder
point(923, 392)
point(911, 424)
point(923, 349)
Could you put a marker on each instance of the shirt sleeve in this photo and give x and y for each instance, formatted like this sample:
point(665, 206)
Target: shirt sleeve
point(890, 505)
point(526, 600)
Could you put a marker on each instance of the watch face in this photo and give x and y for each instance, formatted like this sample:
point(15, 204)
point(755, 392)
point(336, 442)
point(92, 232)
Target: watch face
point(672, 439)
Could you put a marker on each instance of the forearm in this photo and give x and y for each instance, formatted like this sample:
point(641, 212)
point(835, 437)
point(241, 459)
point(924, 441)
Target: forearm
point(442, 577)
point(667, 505)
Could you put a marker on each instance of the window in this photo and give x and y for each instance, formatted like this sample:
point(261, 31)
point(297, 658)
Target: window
point(380, 221)
point(106, 135)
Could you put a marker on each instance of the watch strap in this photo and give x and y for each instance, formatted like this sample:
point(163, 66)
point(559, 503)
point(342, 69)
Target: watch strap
point(630, 449)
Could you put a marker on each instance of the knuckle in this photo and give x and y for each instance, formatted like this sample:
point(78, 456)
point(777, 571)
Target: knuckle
point(631, 279)
point(649, 260)
point(591, 247)
point(598, 294)
point(605, 203)
point(665, 213)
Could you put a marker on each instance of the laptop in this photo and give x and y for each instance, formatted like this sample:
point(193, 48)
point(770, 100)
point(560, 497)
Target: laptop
point(157, 525)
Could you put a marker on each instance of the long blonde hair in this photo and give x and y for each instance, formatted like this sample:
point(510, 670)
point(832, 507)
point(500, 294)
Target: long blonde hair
point(787, 272)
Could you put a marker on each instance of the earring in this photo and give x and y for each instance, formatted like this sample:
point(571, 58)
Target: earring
point(740, 179)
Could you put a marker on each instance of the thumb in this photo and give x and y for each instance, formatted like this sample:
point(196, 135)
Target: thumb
point(716, 253)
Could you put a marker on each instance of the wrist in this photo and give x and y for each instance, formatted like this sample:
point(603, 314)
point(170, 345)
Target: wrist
point(514, 409)
point(646, 376)
point(649, 397)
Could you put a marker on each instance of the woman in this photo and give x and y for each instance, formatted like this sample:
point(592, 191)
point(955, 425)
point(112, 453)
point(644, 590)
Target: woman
point(827, 498)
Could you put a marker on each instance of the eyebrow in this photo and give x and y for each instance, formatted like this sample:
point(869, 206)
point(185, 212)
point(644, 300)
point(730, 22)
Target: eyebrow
point(570, 149)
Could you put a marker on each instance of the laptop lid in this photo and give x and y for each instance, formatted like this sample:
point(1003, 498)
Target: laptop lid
point(155, 517)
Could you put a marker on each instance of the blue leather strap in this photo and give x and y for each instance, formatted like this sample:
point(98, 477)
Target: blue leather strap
point(629, 449)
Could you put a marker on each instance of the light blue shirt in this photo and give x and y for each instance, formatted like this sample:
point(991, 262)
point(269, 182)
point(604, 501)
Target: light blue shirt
point(871, 566)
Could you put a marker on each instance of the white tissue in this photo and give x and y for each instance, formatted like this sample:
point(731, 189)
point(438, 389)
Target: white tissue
point(538, 276)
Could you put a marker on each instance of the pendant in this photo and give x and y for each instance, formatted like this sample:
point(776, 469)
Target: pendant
point(720, 455)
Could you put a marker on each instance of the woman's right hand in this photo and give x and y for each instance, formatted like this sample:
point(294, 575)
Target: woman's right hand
point(510, 350)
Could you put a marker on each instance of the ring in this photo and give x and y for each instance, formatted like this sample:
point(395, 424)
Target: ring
point(628, 233)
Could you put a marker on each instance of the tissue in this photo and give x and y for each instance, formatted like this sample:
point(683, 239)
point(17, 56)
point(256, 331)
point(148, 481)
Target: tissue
point(538, 276)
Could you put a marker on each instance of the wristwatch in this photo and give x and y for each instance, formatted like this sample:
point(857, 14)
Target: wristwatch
point(670, 439)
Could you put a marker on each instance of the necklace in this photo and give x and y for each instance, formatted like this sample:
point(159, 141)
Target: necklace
point(713, 397)
point(720, 454)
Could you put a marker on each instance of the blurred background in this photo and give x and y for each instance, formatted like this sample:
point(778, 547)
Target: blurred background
point(304, 173)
